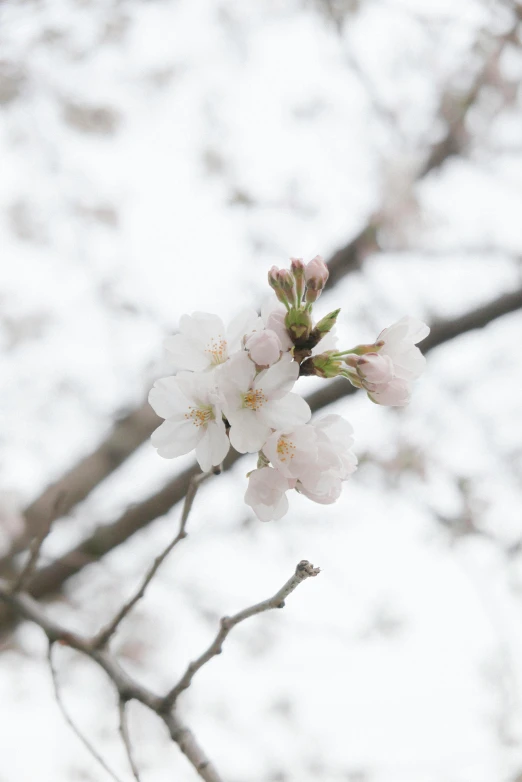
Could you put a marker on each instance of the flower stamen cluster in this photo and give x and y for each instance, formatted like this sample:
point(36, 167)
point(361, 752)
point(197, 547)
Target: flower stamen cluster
point(234, 387)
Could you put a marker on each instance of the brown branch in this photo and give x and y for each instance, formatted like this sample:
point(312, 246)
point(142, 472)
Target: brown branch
point(195, 482)
point(303, 571)
point(127, 687)
point(73, 487)
point(51, 578)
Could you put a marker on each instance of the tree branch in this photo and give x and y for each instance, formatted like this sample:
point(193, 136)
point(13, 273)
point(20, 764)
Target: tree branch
point(303, 571)
point(195, 482)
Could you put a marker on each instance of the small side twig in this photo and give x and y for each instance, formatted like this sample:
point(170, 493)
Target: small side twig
point(68, 719)
point(106, 633)
point(125, 737)
point(303, 571)
point(36, 546)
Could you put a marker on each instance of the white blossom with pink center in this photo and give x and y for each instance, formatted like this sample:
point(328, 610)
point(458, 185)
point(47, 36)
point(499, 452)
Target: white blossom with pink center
point(254, 404)
point(203, 342)
point(387, 375)
point(317, 455)
point(193, 420)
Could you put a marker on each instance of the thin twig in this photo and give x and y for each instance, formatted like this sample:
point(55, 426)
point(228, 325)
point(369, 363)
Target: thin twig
point(36, 546)
point(68, 719)
point(104, 636)
point(125, 737)
point(127, 687)
point(303, 571)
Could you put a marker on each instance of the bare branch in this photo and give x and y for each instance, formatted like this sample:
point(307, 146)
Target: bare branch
point(303, 571)
point(125, 737)
point(68, 719)
point(127, 687)
point(195, 482)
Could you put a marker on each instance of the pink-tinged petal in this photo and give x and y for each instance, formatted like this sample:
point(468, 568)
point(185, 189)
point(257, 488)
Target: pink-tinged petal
point(186, 354)
point(266, 494)
point(375, 368)
point(291, 410)
point(264, 347)
point(247, 433)
point(279, 377)
point(338, 430)
point(394, 394)
point(327, 497)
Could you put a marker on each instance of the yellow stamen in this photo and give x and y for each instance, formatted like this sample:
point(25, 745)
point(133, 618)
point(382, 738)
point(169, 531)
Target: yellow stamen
point(254, 399)
point(217, 349)
point(200, 416)
point(285, 449)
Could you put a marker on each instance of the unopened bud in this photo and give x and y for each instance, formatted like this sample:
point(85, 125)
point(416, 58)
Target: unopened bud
point(298, 324)
point(316, 274)
point(264, 347)
point(298, 270)
point(326, 324)
point(287, 282)
point(274, 280)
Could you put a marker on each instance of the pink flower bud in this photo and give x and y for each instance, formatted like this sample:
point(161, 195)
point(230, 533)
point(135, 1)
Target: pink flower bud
point(264, 347)
point(298, 270)
point(316, 274)
point(374, 368)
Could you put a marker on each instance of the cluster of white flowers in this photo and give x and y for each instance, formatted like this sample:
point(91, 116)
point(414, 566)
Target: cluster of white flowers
point(234, 387)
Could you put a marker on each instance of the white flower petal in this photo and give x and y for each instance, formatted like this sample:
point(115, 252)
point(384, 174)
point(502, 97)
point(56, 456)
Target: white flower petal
point(279, 377)
point(186, 354)
point(219, 442)
point(243, 324)
point(202, 327)
point(247, 433)
point(291, 410)
point(167, 399)
point(175, 439)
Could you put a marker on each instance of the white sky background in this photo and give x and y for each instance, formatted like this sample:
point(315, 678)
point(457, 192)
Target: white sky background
point(228, 136)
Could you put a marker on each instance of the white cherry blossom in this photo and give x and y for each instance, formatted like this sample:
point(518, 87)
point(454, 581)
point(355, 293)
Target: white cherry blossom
point(190, 405)
point(387, 375)
point(266, 493)
point(254, 404)
point(317, 455)
point(400, 341)
point(204, 343)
